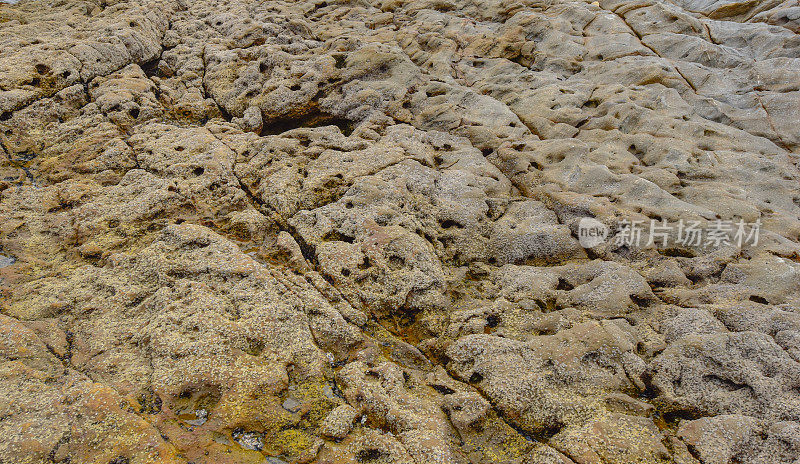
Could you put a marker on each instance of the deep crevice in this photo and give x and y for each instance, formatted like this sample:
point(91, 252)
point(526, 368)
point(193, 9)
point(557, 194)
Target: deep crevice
point(315, 118)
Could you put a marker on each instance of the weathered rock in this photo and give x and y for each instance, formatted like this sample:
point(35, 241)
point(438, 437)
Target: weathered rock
point(728, 373)
point(339, 422)
point(351, 232)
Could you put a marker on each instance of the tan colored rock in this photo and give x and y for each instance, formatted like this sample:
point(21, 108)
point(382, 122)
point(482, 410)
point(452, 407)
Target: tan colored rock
point(347, 232)
point(339, 422)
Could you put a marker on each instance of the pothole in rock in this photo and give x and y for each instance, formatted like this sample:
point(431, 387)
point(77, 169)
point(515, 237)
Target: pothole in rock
point(195, 418)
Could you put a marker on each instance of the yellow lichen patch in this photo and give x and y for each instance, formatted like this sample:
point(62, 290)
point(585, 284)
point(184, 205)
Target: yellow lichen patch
point(316, 401)
point(496, 442)
point(289, 442)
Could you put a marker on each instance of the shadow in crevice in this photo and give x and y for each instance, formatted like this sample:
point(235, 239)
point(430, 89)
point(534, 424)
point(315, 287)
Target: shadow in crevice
point(150, 68)
point(315, 118)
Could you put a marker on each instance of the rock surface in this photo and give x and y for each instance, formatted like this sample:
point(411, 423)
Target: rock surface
point(327, 231)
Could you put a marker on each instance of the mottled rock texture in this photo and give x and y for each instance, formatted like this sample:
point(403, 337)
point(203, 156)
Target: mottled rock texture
point(334, 231)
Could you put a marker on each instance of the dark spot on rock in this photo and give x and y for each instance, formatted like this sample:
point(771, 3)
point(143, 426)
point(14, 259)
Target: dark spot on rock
point(544, 435)
point(678, 252)
point(444, 390)
point(42, 68)
point(254, 347)
point(674, 417)
point(449, 223)
point(149, 402)
point(198, 171)
point(564, 285)
point(150, 68)
point(340, 61)
point(334, 236)
point(475, 378)
point(369, 455)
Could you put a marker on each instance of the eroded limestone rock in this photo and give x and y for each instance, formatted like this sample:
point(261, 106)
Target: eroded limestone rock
point(348, 232)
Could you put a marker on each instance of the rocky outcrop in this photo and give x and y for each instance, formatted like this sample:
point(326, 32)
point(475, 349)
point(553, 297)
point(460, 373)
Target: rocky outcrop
point(353, 232)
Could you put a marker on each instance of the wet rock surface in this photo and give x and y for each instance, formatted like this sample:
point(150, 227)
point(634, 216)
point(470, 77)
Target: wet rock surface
point(348, 232)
